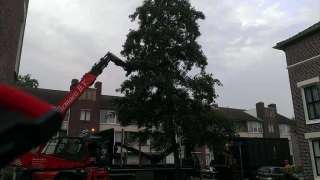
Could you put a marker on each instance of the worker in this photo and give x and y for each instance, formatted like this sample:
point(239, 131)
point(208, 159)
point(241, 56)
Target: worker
point(228, 155)
point(288, 170)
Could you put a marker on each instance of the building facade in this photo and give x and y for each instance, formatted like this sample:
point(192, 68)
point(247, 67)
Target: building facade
point(303, 63)
point(13, 15)
point(264, 122)
point(246, 124)
point(95, 112)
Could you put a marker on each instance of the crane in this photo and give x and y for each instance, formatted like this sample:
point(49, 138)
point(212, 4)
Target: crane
point(27, 121)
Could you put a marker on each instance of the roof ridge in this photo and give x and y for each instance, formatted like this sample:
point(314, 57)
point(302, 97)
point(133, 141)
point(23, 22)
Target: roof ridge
point(115, 96)
point(44, 89)
point(233, 108)
point(313, 28)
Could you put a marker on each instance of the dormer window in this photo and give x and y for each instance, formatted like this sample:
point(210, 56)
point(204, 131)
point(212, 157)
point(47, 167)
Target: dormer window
point(89, 94)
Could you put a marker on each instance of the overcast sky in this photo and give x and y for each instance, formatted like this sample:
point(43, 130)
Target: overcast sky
point(63, 39)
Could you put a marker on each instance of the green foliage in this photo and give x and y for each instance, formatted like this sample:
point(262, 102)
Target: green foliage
point(27, 81)
point(161, 94)
point(297, 169)
point(219, 129)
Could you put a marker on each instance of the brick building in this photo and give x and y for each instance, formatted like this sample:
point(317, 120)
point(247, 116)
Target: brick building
point(303, 63)
point(264, 122)
point(97, 112)
point(92, 112)
point(13, 15)
point(258, 122)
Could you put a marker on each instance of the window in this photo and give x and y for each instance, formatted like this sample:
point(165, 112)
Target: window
point(50, 147)
point(131, 138)
point(312, 101)
point(62, 133)
point(310, 90)
point(89, 94)
point(117, 136)
point(271, 129)
point(67, 115)
point(284, 129)
point(67, 148)
point(241, 127)
point(108, 116)
point(85, 115)
point(316, 154)
point(254, 127)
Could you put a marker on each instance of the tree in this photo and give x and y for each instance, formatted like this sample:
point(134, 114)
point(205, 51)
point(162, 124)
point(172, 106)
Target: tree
point(161, 94)
point(27, 81)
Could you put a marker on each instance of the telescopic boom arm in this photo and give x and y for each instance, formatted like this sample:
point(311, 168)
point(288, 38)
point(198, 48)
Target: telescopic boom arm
point(87, 80)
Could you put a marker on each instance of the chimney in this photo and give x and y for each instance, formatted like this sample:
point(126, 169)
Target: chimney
point(74, 82)
point(98, 86)
point(260, 110)
point(273, 107)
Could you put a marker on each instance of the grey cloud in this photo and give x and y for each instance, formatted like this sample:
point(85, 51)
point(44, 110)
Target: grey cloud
point(64, 38)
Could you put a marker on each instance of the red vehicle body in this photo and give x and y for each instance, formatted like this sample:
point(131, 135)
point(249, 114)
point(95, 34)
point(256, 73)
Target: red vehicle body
point(62, 158)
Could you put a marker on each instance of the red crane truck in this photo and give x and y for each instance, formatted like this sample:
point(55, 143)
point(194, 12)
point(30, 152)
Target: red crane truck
point(19, 133)
point(92, 157)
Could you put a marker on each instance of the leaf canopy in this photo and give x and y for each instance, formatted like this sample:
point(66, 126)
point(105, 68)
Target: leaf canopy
point(168, 90)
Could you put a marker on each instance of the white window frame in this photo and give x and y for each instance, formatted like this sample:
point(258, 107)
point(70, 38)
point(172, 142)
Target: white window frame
point(253, 125)
point(313, 137)
point(302, 85)
point(115, 117)
point(284, 130)
point(86, 111)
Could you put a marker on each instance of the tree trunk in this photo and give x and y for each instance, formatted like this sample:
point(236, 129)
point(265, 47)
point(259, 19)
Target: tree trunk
point(140, 157)
point(175, 152)
point(176, 157)
point(176, 161)
point(188, 150)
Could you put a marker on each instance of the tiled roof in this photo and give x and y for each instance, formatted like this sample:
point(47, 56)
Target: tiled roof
point(49, 95)
point(242, 115)
point(55, 96)
point(284, 120)
point(108, 102)
point(312, 29)
point(237, 114)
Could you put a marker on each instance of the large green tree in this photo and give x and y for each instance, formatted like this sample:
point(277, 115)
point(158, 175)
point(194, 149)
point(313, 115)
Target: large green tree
point(27, 81)
point(168, 90)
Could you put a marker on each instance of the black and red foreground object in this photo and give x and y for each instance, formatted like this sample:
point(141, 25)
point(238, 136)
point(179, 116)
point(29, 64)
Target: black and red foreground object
point(26, 121)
